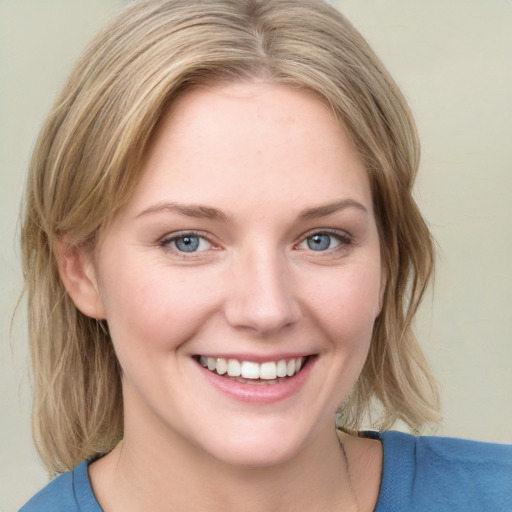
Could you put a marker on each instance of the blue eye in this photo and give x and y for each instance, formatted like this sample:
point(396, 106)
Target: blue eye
point(187, 242)
point(319, 242)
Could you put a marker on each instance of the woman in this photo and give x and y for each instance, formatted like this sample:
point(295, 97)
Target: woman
point(220, 248)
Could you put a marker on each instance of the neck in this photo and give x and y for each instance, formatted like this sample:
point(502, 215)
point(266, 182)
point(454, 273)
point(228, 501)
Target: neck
point(172, 475)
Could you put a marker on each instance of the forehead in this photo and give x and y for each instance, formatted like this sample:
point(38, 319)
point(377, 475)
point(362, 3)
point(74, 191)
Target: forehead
point(263, 142)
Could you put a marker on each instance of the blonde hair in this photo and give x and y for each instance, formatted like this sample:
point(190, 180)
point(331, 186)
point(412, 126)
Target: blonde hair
point(86, 164)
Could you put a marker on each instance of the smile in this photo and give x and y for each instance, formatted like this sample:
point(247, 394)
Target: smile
point(256, 382)
point(269, 370)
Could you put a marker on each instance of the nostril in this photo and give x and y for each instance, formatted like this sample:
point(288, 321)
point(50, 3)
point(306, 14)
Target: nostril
point(262, 316)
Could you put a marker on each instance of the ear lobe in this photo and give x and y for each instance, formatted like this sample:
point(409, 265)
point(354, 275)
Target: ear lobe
point(78, 276)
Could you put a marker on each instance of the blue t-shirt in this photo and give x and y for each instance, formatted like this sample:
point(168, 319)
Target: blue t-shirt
point(420, 474)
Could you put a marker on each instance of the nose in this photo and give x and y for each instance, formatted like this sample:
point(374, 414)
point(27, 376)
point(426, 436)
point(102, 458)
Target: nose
point(261, 296)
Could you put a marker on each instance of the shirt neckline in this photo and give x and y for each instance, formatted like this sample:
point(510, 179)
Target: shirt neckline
point(398, 452)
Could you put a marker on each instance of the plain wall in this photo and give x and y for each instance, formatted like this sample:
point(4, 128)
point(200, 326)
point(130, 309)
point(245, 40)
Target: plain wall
point(452, 60)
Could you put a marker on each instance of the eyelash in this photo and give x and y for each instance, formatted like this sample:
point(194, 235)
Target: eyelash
point(169, 239)
point(343, 238)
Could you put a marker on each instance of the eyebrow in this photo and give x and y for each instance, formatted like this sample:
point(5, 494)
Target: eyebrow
point(190, 210)
point(322, 211)
point(209, 212)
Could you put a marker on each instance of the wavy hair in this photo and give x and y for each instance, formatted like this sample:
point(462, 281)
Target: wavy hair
point(86, 164)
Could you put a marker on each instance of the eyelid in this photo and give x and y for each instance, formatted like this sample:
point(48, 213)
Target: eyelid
point(338, 233)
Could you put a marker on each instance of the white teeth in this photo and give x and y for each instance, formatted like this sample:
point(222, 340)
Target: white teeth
point(222, 366)
point(269, 370)
point(250, 370)
point(281, 368)
point(234, 368)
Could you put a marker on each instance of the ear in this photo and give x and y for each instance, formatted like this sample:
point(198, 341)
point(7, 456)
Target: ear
point(78, 275)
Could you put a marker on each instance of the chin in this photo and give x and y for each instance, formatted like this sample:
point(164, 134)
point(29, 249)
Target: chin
point(258, 447)
point(255, 454)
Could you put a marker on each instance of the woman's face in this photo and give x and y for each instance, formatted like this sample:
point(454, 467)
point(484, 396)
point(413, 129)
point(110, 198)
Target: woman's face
point(250, 245)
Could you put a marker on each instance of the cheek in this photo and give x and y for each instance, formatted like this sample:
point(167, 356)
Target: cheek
point(155, 309)
point(347, 304)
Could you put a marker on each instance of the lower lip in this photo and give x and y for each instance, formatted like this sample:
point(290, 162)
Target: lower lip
point(259, 393)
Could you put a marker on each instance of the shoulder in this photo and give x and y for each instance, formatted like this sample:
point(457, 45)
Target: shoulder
point(440, 473)
point(69, 492)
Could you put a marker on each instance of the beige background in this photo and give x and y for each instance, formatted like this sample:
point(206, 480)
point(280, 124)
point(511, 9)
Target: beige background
point(453, 61)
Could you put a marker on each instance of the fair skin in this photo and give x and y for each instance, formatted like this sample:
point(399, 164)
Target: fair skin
point(251, 237)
